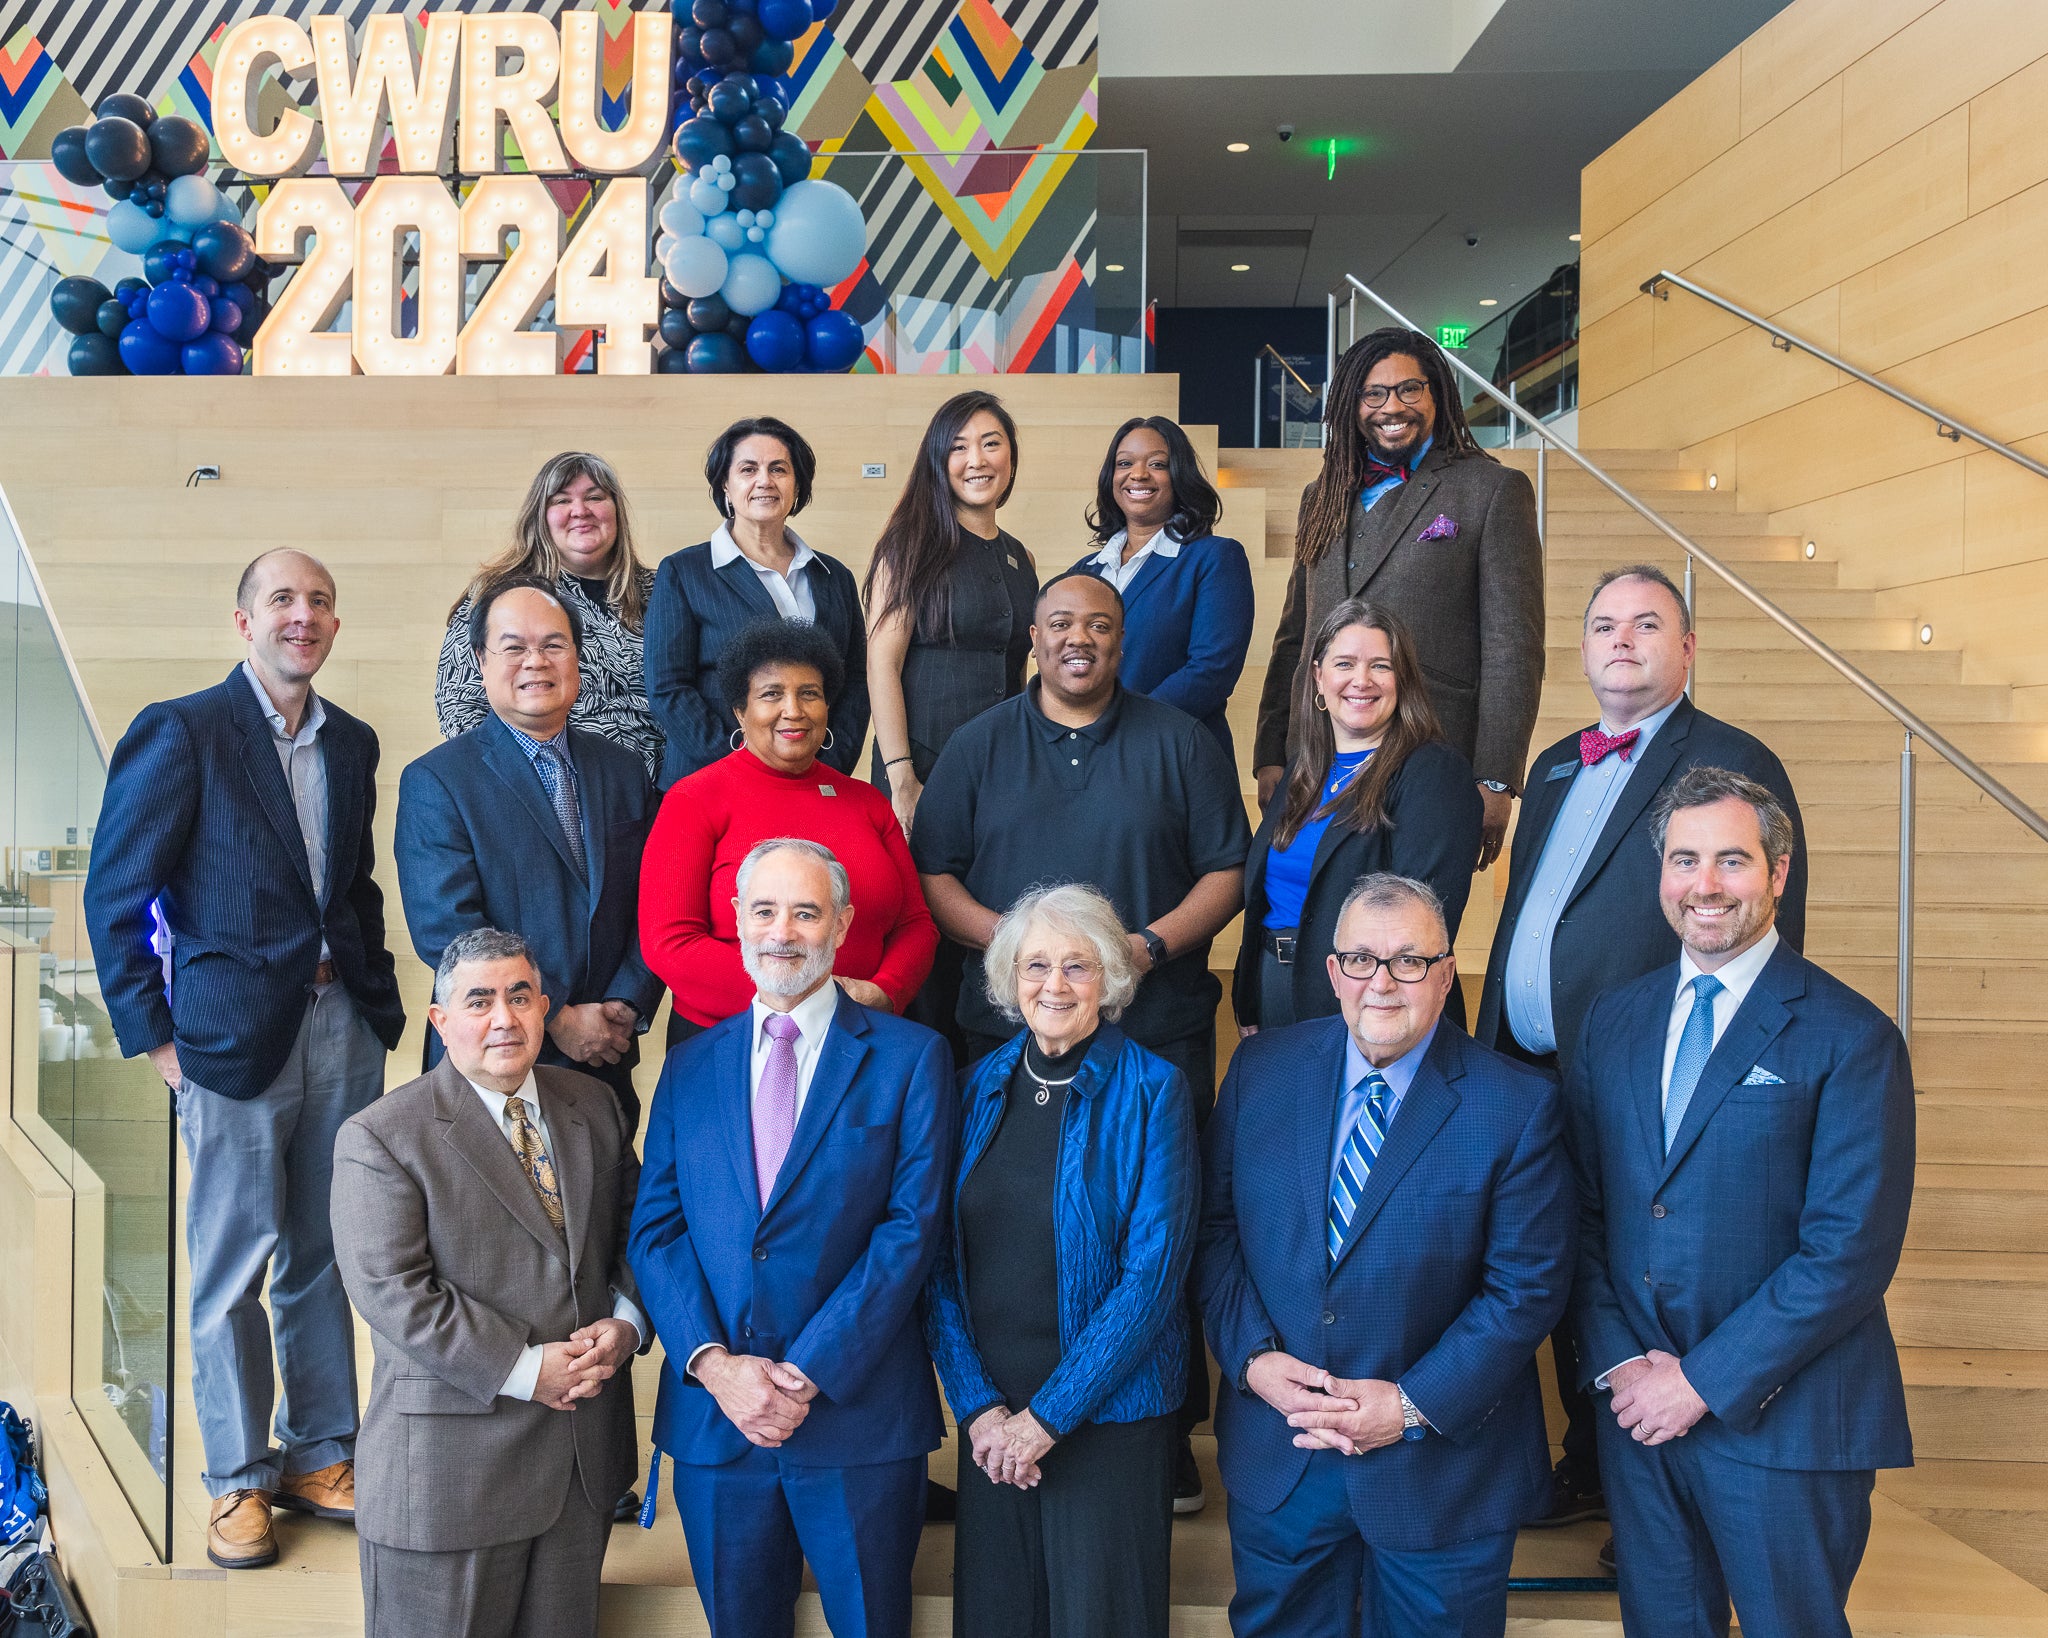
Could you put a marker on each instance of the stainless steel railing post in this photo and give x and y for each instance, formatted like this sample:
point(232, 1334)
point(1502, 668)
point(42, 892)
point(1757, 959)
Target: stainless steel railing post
point(1542, 496)
point(1692, 613)
point(1258, 397)
point(1906, 825)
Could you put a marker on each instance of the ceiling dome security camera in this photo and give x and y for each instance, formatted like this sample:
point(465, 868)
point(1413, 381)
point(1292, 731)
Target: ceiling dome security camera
point(1285, 133)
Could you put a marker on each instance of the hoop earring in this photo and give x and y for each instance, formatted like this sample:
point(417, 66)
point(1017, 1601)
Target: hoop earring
point(828, 740)
point(733, 739)
point(1321, 703)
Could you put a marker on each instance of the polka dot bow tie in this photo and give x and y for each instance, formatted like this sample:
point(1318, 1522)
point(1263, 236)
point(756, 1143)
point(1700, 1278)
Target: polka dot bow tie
point(1593, 744)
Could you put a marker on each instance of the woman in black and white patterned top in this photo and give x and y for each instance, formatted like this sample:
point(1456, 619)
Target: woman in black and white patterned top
point(573, 530)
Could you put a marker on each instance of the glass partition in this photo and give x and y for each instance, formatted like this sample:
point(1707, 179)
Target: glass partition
point(103, 1121)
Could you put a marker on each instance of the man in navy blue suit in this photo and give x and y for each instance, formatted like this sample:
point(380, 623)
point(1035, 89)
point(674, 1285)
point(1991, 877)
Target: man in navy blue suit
point(1386, 1237)
point(791, 1203)
point(242, 814)
point(1743, 1132)
point(529, 824)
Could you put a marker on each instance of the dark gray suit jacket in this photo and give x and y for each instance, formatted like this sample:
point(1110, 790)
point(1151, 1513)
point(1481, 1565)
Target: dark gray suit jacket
point(448, 1256)
point(1473, 603)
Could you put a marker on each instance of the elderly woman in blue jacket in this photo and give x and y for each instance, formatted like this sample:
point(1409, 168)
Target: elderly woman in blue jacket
point(1055, 1316)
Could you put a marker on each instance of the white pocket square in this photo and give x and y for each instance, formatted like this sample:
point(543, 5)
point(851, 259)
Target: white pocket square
point(1760, 1076)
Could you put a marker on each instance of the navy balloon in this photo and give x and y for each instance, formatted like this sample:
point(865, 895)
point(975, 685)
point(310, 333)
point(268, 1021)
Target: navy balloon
point(671, 361)
point(117, 191)
point(791, 157)
point(821, 10)
point(125, 105)
point(225, 251)
point(117, 148)
point(709, 13)
point(716, 47)
point(212, 354)
point(715, 355)
point(240, 294)
point(177, 146)
point(775, 341)
point(757, 183)
point(699, 141)
point(833, 340)
point(736, 327)
point(746, 36)
point(729, 102)
point(708, 313)
point(753, 134)
point(671, 296)
point(147, 353)
point(771, 109)
point(95, 354)
point(154, 209)
point(784, 19)
point(67, 153)
point(675, 327)
point(225, 317)
point(178, 312)
point(112, 318)
point(75, 304)
point(771, 57)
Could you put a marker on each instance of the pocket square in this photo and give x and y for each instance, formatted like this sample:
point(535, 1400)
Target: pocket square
point(1443, 528)
point(1760, 1076)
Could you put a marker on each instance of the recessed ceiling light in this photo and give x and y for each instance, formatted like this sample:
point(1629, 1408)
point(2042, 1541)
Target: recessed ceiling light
point(1573, 237)
point(1237, 147)
point(1488, 301)
point(1811, 548)
point(1713, 480)
point(1113, 267)
point(1926, 634)
point(1240, 267)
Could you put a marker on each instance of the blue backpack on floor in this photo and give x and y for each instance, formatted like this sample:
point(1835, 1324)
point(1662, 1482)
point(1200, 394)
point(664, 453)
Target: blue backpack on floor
point(23, 1495)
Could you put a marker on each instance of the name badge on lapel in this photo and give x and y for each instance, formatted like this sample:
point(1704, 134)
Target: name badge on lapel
point(1564, 770)
point(827, 790)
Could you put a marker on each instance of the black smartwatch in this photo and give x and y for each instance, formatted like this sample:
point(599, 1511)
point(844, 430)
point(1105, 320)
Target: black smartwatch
point(1155, 944)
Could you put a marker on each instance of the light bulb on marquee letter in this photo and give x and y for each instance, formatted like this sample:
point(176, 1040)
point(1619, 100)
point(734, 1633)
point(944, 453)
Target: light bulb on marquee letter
point(294, 339)
point(356, 85)
point(641, 144)
point(624, 302)
point(496, 341)
point(523, 97)
point(246, 50)
point(391, 205)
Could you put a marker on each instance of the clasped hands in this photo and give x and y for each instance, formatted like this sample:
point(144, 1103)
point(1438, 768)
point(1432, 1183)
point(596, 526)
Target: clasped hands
point(1327, 1412)
point(596, 1032)
point(1652, 1398)
point(1009, 1448)
point(580, 1367)
point(765, 1399)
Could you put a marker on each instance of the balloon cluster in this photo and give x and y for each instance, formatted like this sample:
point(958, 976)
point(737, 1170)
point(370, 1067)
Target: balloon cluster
point(748, 243)
point(199, 301)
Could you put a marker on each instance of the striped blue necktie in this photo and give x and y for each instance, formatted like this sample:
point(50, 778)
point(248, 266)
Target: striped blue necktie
point(1354, 1165)
point(560, 780)
point(1695, 1047)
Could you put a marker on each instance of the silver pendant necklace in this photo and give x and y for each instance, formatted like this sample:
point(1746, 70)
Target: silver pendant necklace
point(1044, 1094)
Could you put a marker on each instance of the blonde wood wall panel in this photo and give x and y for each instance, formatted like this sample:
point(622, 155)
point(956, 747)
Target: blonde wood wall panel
point(1885, 195)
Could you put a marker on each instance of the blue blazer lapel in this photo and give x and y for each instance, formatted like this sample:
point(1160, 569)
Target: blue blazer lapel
point(1429, 1102)
point(509, 763)
point(594, 794)
point(344, 807)
point(839, 1059)
point(266, 775)
point(1646, 1063)
point(733, 1088)
point(1643, 785)
point(744, 582)
point(1155, 571)
point(1759, 1021)
point(1315, 1125)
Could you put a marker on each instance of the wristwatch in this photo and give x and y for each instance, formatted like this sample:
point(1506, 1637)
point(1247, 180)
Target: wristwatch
point(1492, 785)
point(1412, 1425)
point(1155, 945)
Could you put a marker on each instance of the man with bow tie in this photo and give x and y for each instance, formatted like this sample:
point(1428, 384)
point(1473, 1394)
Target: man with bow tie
point(1742, 1128)
point(1580, 914)
point(793, 1200)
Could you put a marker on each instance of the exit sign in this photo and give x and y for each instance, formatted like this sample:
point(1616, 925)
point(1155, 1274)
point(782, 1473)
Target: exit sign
point(1452, 337)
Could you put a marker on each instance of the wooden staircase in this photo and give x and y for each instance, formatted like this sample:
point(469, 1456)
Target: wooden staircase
point(1970, 1303)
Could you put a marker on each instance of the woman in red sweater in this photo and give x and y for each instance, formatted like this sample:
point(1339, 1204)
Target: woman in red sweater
point(784, 677)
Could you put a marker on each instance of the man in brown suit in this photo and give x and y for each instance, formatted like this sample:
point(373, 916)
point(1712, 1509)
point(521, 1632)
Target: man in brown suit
point(480, 1217)
point(1411, 513)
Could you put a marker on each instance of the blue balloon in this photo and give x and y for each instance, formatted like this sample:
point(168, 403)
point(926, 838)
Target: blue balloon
point(819, 236)
point(706, 195)
point(785, 19)
point(190, 200)
point(715, 354)
point(178, 312)
point(147, 353)
point(751, 283)
point(771, 57)
point(95, 355)
point(833, 340)
point(775, 341)
point(699, 141)
point(725, 232)
point(792, 157)
point(131, 227)
point(696, 266)
point(212, 354)
point(821, 10)
point(757, 184)
point(729, 102)
point(226, 317)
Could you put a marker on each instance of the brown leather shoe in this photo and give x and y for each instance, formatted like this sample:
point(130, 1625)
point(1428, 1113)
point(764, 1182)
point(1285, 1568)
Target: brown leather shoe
point(238, 1533)
point(326, 1493)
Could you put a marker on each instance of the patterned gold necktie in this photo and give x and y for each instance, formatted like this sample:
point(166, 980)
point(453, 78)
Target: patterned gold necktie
point(540, 1169)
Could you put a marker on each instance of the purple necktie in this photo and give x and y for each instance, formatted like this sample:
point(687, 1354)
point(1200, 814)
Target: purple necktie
point(775, 1102)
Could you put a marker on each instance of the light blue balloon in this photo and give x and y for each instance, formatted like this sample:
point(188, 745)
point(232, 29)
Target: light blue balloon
point(751, 284)
point(696, 266)
point(819, 236)
point(706, 195)
point(191, 200)
point(131, 227)
point(226, 211)
point(681, 219)
point(725, 231)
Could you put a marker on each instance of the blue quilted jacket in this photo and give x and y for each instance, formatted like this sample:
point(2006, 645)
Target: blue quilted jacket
point(1129, 1187)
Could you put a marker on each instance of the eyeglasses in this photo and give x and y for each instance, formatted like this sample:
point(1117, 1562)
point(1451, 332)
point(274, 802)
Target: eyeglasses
point(1038, 971)
point(555, 648)
point(1407, 967)
point(1409, 392)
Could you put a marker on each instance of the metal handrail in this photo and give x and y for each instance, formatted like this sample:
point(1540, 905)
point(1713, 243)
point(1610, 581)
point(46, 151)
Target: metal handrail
point(1905, 716)
point(1268, 350)
point(1281, 359)
point(1945, 425)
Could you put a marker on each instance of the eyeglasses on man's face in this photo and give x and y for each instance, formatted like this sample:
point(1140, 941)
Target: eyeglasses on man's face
point(1407, 967)
point(1410, 392)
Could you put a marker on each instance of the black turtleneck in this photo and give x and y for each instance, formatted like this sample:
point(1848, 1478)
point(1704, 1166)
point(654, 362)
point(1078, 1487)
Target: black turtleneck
point(1006, 1228)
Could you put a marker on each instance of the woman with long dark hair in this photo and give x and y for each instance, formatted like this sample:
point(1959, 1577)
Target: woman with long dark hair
point(949, 596)
point(1374, 787)
point(1187, 590)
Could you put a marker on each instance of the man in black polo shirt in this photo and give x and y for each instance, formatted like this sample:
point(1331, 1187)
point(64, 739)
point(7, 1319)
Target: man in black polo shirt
point(1080, 780)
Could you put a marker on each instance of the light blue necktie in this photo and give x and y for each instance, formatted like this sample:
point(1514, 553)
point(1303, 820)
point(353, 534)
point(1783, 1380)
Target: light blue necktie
point(1695, 1047)
point(560, 781)
point(1354, 1165)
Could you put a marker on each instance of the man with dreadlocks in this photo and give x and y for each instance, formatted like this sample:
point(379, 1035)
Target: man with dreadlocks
point(1409, 511)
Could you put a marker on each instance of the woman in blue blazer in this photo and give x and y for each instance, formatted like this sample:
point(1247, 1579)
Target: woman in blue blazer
point(1055, 1313)
point(1187, 591)
point(760, 472)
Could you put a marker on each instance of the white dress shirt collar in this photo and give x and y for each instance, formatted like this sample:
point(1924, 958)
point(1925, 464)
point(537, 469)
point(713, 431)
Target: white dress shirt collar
point(724, 550)
point(813, 1017)
point(495, 1103)
point(1646, 730)
point(1736, 976)
point(310, 724)
point(1110, 560)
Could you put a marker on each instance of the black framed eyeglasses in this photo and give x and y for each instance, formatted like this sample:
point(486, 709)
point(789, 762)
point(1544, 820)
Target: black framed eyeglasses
point(1407, 967)
point(1409, 392)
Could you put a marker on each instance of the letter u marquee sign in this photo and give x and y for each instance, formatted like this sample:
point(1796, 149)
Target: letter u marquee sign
point(509, 68)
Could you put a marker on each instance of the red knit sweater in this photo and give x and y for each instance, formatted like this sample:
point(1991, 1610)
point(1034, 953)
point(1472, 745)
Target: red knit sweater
point(707, 824)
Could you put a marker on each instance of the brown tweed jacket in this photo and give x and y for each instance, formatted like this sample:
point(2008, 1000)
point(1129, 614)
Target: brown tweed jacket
point(1473, 602)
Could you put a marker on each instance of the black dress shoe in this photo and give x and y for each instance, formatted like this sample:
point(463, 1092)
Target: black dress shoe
point(1188, 1496)
point(1607, 1555)
point(626, 1508)
point(1571, 1502)
point(940, 1504)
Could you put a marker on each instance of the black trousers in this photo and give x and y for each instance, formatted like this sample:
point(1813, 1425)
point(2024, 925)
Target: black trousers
point(1084, 1554)
point(1195, 1057)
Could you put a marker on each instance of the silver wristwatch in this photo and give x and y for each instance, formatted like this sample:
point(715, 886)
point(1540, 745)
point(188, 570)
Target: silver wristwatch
point(1493, 785)
point(1412, 1424)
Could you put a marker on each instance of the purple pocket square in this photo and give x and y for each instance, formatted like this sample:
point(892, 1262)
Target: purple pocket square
point(1442, 529)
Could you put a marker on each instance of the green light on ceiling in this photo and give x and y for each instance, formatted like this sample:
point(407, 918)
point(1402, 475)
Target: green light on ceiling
point(1452, 337)
point(1331, 147)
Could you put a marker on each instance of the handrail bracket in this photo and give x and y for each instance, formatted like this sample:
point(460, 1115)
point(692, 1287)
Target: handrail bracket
point(1654, 286)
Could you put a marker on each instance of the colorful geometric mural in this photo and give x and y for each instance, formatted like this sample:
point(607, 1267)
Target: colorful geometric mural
point(959, 125)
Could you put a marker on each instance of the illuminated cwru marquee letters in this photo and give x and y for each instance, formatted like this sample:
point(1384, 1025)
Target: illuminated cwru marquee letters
point(507, 68)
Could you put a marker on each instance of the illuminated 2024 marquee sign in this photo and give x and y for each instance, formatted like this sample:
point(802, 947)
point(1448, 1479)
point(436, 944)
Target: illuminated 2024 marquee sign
point(510, 69)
